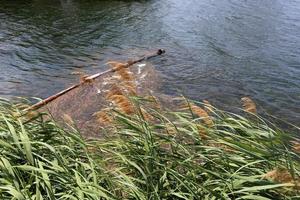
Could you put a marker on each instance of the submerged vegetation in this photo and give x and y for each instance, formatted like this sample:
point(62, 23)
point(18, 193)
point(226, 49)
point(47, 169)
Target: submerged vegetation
point(193, 152)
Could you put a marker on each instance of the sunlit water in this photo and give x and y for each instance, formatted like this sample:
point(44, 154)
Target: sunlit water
point(216, 50)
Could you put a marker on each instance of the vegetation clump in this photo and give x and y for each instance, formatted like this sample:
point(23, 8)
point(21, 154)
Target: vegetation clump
point(193, 152)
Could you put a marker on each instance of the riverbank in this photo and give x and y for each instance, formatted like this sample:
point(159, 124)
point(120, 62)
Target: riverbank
point(193, 152)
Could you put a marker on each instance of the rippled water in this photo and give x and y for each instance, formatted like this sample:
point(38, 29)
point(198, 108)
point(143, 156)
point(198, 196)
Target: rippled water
point(216, 50)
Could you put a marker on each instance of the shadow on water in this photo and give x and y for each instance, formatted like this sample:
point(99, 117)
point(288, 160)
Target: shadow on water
point(217, 50)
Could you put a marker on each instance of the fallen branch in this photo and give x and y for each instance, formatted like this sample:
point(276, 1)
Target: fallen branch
point(90, 78)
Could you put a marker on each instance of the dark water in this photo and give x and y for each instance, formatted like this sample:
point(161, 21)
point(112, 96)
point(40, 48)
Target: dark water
point(220, 50)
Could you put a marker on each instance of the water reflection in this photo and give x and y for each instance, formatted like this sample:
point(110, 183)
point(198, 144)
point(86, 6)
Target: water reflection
point(217, 50)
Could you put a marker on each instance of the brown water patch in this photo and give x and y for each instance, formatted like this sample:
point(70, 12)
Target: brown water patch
point(87, 107)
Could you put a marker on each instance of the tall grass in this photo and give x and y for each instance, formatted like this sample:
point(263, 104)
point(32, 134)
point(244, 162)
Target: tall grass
point(39, 160)
point(158, 155)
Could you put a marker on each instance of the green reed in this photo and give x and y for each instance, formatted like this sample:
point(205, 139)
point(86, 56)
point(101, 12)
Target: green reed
point(173, 155)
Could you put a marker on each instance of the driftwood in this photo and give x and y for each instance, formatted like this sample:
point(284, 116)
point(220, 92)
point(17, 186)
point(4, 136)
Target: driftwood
point(90, 78)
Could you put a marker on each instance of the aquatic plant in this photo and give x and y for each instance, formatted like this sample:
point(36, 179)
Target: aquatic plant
point(162, 158)
point(39, 160)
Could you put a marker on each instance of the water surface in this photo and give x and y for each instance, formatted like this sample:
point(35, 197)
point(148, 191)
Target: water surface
point(216, 50)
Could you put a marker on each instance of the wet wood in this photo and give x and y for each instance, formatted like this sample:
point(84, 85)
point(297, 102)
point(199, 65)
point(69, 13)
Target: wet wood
point(90, 78)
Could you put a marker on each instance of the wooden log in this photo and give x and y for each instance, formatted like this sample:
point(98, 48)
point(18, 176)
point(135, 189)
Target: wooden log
point(90, 78)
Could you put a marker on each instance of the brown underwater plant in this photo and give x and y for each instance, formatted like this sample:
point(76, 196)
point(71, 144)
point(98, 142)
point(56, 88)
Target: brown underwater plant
point(68, 119)
point(281, 175)
point(249, 105)
point(199, 112)
point(296, 146)
point(103, 117)
point(208, 107)
point(117, 65)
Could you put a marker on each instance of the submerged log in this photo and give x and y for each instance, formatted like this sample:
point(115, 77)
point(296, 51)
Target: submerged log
point(91, 78)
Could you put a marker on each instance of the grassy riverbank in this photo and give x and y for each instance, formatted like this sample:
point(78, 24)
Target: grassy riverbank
point(159, 155)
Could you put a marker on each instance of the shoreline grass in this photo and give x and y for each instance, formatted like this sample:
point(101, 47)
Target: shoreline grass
point(154, 154)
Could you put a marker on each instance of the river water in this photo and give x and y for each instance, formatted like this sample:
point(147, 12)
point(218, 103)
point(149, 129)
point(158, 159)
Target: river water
point(220, 50)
